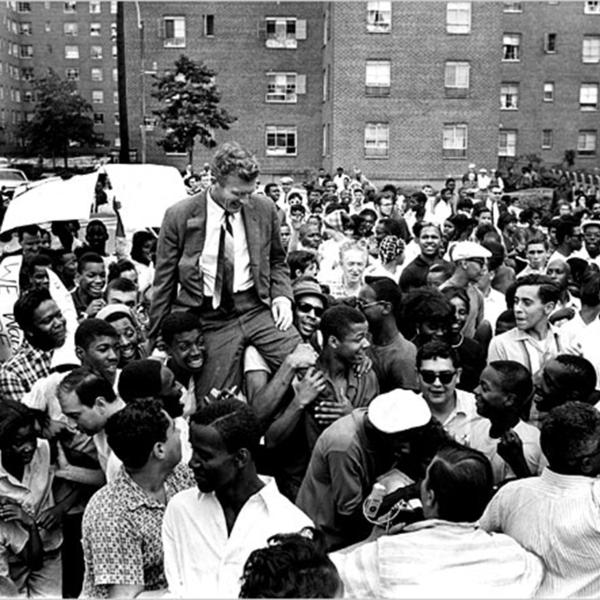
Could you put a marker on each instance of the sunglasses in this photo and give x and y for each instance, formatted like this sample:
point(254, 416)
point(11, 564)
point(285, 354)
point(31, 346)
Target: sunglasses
point(445, 377)
point(363, 305)
point(479, 261)
point(305, 308)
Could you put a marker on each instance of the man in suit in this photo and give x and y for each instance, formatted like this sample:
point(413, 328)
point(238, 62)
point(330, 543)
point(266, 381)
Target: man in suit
point(219, 254)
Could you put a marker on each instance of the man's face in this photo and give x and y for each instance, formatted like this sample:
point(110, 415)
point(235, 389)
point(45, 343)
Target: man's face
point(354, 264)
point(430, 241)
point(427, 190)
point(233, 192)
point(92, 279)
point(170, 392)
point(49, 326)
point(172, 445)
point(69, 264)
point(474, 267)
point(536, 256)
point(368, 304)
point(128, 339)
point(39, 278)
point(484, 218)
point(547, 390)
point(575, 240)
point(331, 188)
point(118, 297)
point(386, 206)
point(591, 237)
point(96, 237)
point(89, 420)
point(274, 193)
point(213, 465)
point(557, 270)
point(314, 196)
point(366, 227)
point(352, 348)
point(30, 245)
point(286, 187)
point(451, 185)
point(313, 237)
point(438, 379)
point(529, 310)
point(285, 235)
point(102, 356)
point(490, 399)
point(188, 350)
point(307, 314)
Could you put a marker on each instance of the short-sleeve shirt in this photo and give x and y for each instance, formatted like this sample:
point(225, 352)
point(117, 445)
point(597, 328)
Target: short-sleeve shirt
point(395, 365)
point(12, 541)
point(121, 534)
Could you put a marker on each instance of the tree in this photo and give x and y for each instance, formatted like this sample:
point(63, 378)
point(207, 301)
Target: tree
point(61, 118)
point(190, 98)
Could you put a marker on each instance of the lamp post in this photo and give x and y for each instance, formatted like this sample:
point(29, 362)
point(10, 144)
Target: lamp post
point(140, 24)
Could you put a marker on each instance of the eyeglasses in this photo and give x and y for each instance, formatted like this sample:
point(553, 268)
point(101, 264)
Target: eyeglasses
point(363, 305)
point(305, 308)
point(479, 261)
point(445, 377)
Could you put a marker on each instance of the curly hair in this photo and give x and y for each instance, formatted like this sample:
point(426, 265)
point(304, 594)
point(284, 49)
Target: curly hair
point(232, 159)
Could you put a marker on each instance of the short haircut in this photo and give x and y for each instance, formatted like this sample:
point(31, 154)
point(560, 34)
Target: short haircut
point(235, 421)
point(485, 229)
point(337, 321)
point(497, 258)
point(177, 322)
point(429, 226)
point(567, 430)
point(590, 290)
point(505, 219)
point(121, 284)
point(293, 565)
point(536, 239)
point(391, 227)
point(90, 330)
point(133, 431)
point(548, 290)
point(27, 304)
point(368, 212)
point(116, 269)
point(88, 258)
point(578, 378)
point(515, 379)
point(232, 159)
point(269, 186)
point(87, 385)
point(300, 259)
point(387, 290)
point(31, 230)
point(140, 379)
point(480, 208)
point(39, 260)
point(96, 223)
point(436, 349)
point(565, 227)
point(462, 481)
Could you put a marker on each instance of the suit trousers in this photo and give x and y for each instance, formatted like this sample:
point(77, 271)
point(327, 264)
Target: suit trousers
point(227, 334)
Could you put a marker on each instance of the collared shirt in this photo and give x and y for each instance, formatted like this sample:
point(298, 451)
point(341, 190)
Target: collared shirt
point(521, 347)
point(439, 559)
point(34, 491)
point(13, 539)
point(215, 217)
point(121, 534)
point(203, 560)
point(460, 422)
point(494, 304)
point(583, 341)
point(558, 518)
point(19, 373)
point(530, 436)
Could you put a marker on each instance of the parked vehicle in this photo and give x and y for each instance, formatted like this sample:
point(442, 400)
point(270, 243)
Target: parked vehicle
point(10, 179)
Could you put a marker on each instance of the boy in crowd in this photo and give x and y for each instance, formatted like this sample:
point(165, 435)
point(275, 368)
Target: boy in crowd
point(91, 278)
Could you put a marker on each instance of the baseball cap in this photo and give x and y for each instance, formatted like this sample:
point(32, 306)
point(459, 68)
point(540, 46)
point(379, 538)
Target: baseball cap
point(590, 223)
point(116, 309)
point(287, 179)
point(307, 286)
point(398, 410)
point(466, 250)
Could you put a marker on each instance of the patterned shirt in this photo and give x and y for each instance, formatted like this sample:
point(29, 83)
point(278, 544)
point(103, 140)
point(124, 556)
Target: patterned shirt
point(121, 534)
point(19, 373)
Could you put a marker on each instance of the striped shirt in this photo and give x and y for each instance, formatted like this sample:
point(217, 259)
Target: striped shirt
point(439, 559)
point(558, 518)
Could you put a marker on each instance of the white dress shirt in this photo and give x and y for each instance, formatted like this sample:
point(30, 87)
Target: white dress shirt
point(203, 560)
point(242, 277)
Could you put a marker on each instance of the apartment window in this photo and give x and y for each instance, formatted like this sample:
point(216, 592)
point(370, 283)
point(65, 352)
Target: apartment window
point(98, 118)
point(115, 74)
point(95, 29)
point(377, 140)
point(511, 46)
point(97, 96)
point(27, 73)
point(1, 92)
point(547, 139)
point(26, 51)
point(507, 143)
point(71, 29)
point(174, 32)
point(281, 87)
point(71, 51)
point(379, 16)
point(513, 7)
point(47, 27)
point(281, 140)
point(96, 74)
point(70, 7)
point(588, 96)
point(17, 96)
point(208, 25)
point(591, 49)
point(25, 28)
point(96, 52)
point(113, 32)
point(458, 17)
point(113, 51)
point(115, 97)
point(456, 76)
point(509, 96)
point(117, 119)
point(550, 43)
point(378, 77)
point(591, 7)
point(149, 123)
point(72, 74)
point(326, 83)
point(95, 7)
point(548, 91)
point(282, 32)
point(24, 7)
point(586, 142)
point(113, 7)
point(324, 140)
point(454, 140)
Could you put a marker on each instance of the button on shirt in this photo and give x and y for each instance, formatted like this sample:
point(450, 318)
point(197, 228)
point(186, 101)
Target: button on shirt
point(460, 422)
point(558, 518)
point(201, 558)
point(242, 276)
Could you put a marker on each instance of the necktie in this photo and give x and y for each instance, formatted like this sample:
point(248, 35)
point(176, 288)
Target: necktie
point(223, 292)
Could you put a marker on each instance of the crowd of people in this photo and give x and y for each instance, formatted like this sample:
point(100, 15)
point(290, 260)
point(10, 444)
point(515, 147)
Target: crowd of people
point(326, 390)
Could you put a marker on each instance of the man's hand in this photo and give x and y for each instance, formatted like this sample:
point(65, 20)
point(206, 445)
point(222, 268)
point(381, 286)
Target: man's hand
point(95, 307)
point(281, 309)
point(50, 518)
point(11, 511)
point(55, 429)
point(303, 356)
point(328, 412)
point(510, 448)
point(363, 366)
point(309, 387)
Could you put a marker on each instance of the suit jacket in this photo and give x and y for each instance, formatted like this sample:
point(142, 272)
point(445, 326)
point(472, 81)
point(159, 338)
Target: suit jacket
point(178, 277)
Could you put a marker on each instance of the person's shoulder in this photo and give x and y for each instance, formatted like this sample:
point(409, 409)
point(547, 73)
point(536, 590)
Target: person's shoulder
point(106, 505)
point(342, 434)
point(185, 205)
point(183, 499)
point(282, 507)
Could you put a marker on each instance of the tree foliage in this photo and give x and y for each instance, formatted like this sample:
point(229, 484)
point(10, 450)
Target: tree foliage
point(190, 110)
point(61, 118)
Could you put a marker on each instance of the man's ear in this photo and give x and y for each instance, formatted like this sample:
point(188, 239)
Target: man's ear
point(510, 400)
point(549, 308)
point(100, 403)
point(79, 352)
point(333, 342)
point(429, 498)
point(387, 307)
point(458, 373)
point(242, 457)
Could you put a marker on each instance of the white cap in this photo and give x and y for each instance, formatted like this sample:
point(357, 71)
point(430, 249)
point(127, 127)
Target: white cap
point(466, 250)
point(398, 410)
point(590, 223)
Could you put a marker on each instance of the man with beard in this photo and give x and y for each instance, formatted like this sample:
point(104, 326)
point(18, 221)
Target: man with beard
point(44, 328)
